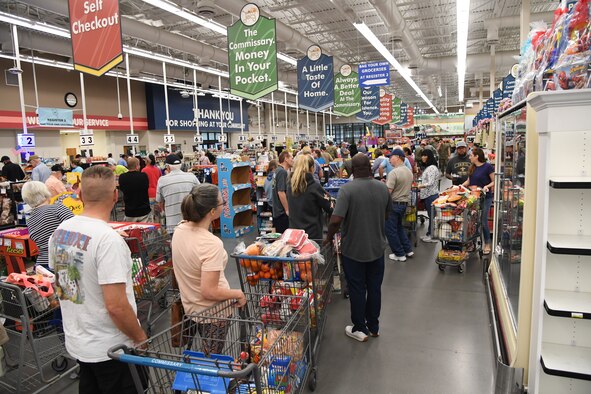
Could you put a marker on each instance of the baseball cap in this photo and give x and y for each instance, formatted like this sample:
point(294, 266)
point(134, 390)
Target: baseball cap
point(397, 152)
point(461, 144)
point(56, 168)
point(4, 158)
point(33, 157)
point(111, 161)
point(172, 159)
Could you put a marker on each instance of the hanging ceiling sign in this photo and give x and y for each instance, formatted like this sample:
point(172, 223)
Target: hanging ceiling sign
point(410, 115)
point(396, 110)
point(95, 28)
point(55, 117)
point(490, 105)
point(315, 80)
point(403, 114)
point(370, 104)
point(385, 108)
point(508, 86)
point(252, 54)
point(347, 95)
point(374, 74)
point(497, 96)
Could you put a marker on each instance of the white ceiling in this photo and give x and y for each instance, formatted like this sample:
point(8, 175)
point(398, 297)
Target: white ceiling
point(428, 32)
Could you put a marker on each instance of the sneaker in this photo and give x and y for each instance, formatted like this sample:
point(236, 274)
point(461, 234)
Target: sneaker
point(410, 254)
point(374, 334)
point(357, 335)
point(396, 258)
point(427, 238)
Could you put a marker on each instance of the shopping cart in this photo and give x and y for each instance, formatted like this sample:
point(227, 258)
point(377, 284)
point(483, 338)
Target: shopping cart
point(333, 186)
point(260, 348)
point(305, 276)
point(458, 229)
point(151, 272)
point(409, 220)
point(36, 341)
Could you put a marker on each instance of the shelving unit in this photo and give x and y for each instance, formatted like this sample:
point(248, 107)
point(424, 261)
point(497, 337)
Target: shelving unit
point(234, 183)
point(560, 347)
point(264, 211)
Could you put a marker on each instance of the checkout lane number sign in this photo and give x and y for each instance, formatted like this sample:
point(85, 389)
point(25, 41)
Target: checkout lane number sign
point(26, 140)
point(133, 139)
point(169, 138)
point(86, 140)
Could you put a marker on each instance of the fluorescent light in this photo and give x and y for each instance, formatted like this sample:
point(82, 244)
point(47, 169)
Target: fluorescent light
point(368, 34)
point(287, 59)
point(439, 91)
point(463, 18)
point(29, 24)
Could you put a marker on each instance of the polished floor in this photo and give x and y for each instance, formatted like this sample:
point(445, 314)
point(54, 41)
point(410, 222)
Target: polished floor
point(434, 334)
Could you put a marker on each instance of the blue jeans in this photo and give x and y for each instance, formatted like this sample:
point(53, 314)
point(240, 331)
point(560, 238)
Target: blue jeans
point(486, 209)
point(365, 293)
point(429, 207)
point(397, 238)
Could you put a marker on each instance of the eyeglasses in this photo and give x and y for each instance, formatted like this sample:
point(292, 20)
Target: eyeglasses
point(222, 203)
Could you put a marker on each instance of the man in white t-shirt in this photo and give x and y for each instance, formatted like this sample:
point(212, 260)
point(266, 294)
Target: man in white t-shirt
point(93, 283)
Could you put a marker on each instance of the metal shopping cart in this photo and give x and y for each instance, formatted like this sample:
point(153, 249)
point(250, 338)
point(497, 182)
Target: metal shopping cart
point(458, 229)
point(35, 353)
point(333, 186)
point(304, 276)
point(409, 220)
point(263, 347)
point(151, 273)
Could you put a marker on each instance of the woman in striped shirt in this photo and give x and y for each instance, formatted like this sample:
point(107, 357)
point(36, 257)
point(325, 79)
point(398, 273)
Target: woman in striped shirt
point(44, 217)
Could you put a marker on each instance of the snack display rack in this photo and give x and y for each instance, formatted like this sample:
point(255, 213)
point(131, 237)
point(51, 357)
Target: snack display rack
point(264, 211)
point(456, 223)
point(245, 353)
point(235, 186)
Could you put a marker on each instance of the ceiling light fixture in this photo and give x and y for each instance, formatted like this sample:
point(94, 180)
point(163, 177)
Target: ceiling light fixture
point(368, 34)
point(463, 18)
point(29, 24)
point(190, 16)
point(439, 91)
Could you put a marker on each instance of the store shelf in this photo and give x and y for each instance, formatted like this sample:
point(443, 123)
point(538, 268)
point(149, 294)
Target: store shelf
point(566, 361)
point(569, 244)
point(568, 304)
point(242, 230)
point(241, 186)
point(241, 208)
point(571, 182)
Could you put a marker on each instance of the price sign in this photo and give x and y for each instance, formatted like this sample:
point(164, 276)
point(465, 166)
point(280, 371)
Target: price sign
point(86, 140)
point(198, 139)
point(26, 140)
point(241, 138)
point(222, 138)
point(169, 138)
point(133, 139)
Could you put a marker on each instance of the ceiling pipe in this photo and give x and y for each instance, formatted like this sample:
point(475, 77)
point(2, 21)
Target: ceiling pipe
point(515, 20)
point(38, 42)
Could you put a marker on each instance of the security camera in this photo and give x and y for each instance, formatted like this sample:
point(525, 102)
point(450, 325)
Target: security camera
point(185, 94)
point(120, 116)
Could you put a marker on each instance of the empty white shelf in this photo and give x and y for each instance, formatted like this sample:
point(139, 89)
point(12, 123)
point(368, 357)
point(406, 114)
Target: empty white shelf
point(566, 361)
point(568, 304)
point(571, 182)
point(569, 244)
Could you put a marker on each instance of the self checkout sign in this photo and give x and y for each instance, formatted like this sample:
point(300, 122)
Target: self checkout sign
point(86, 138)
point(169, 138)
point(132, 138)
point(26, 140)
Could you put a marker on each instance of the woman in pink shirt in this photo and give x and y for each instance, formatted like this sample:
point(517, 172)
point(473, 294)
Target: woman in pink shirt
point(54, 182)
point(153, 174)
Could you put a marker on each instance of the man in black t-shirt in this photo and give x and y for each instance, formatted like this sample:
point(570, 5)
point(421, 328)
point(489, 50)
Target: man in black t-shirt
point(11, 171)
point(458, 165)
point(134, 185)
point(279, 185)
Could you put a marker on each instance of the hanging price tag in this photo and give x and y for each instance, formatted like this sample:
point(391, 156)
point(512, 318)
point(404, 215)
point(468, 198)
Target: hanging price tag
point(86, 140)
point(198, 139)
point(169, 138)
point(132, 138)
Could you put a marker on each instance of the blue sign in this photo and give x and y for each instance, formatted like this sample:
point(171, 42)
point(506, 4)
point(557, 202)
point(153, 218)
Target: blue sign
point(403, 114)
point(370, 104)
point(315, 81)
point(498, 96)
point(508, 86)
point(55, 117)
point(182, 117)
point(374, 74)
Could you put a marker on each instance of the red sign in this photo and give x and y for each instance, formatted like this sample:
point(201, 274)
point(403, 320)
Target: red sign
point(13, 120)
point(385, 109)
point(410, 115)
point(95, 27)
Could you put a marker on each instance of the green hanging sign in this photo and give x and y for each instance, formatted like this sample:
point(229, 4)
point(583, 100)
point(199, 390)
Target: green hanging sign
point(396, 110)
point(252, 54)
point(347, 94)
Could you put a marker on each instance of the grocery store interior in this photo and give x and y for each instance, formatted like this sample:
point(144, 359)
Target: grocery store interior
point(187, 204)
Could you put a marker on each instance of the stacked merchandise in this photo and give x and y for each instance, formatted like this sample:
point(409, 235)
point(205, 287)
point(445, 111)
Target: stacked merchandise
point(559, 57)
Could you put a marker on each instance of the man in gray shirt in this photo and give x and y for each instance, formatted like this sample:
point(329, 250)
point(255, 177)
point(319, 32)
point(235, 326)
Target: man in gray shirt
point(41, 172)
point(399, 183)
point(172, 189)
point(361, 210)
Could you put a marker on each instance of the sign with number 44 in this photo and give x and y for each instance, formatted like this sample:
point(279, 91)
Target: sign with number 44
point(169, 138)
point(133, 139)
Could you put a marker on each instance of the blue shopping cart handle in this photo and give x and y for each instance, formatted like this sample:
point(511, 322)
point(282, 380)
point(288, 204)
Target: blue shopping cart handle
point(175, 365)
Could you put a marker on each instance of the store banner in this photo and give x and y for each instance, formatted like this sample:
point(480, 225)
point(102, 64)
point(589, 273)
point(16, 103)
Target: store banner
point(497, 96)
point(403, 114)
point(14, 120)
point(252, 54)
point(374, 74)
point(396, 110)
point(182, 116)
point(95, 29)
point(347, 94)
point(508, 86)
point(385, 108)
point(490, 107)
point(410, 115)
point(315, 80)
point(55, 117)
point(370, 104)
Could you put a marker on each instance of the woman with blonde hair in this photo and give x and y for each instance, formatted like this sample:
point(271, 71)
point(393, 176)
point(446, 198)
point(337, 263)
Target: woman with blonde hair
point(306, 198)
